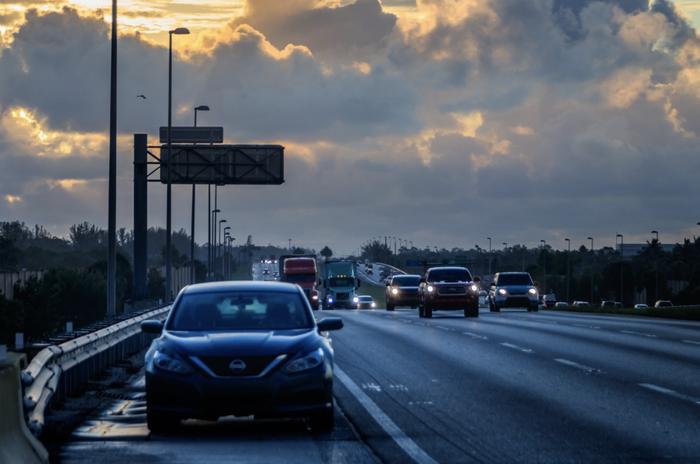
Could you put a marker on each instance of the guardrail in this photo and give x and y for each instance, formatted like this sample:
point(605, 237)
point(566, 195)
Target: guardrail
point(63, 369)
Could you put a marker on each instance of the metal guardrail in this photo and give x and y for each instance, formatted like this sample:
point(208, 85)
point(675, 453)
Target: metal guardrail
point(63, 369)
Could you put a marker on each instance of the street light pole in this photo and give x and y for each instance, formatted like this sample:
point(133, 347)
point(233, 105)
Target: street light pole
point(568, 271)
point(212, 241)
point(489, 239)
point(192, 273)
point(592, 262)
point(223, 251)
point(112, 175)
point(622, 258)
point(656, 266)
point(168, 213)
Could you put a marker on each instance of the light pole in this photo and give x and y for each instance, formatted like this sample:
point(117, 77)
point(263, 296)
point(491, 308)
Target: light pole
point(592, 262)
point(218, 238)
point(208, 231)
point(622, 257)
point(289, 240)
point(112, 175)
point(168, 214)
point(544, 265)
point(198, 108)
point(223, 250)
point(568, 270)
point(656, 266)
point(212, 238)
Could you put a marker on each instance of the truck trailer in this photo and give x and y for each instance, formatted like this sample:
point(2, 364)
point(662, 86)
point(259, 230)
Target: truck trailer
point(301, 270)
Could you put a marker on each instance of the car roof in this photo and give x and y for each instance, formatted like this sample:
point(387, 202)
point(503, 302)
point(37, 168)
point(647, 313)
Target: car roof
point(241, 285)
point(513, 272)
point(405, 275)
point(454, 268)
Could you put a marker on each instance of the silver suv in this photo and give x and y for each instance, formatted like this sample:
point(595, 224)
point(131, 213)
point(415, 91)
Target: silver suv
point(513, 290)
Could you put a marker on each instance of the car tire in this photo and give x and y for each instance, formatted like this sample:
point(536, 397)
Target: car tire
point(420, 310)
point(533, 309)
point(158, 422)
point(427, 311)
point(495, 308)
point(389, 307)
point(471, 312)
point(322, 422)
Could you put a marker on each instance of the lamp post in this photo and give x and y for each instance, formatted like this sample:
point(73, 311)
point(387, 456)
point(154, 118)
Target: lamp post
point(656, 266)
point(112, 176)
point(592, 262)
point(544, 265)
point(168, 214)
point(212, 237)
point(622, 257)
point(568, 270)
point(223, 250)
point(192, 274)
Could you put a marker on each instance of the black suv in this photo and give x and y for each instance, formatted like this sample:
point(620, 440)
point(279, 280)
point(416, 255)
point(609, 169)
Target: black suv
point(402, 290)
point(448, 288)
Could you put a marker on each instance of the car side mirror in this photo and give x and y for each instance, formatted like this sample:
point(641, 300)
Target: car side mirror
point(329, 323)
point(152, 327)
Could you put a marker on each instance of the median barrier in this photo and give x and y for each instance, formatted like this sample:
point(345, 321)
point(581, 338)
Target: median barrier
point(17, 444)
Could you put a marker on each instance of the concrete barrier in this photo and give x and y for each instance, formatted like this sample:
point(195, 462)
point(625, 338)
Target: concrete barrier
point(17, 444)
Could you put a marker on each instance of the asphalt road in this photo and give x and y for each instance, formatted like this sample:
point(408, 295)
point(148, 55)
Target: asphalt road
point(510, 387)
point(521, 387)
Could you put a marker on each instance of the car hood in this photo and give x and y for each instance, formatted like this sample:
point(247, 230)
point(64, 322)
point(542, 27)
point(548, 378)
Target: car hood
point(244, 343)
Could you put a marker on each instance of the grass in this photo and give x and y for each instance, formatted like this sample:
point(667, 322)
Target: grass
point(688, 313)
point(376, 291)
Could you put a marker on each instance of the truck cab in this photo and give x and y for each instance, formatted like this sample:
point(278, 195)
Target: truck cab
point(339, 285)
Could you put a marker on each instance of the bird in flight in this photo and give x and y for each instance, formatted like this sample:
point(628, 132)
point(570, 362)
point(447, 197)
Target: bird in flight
point(141, 96)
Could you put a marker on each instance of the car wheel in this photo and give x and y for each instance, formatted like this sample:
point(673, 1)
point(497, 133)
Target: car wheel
point(322, 422)
point(495, 308)
point(389, 307)
point(473, 312)
point(427, 311)
point(161, 422)
point(533, 309)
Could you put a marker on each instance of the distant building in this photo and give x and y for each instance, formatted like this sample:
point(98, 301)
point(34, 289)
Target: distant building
point(633, 249)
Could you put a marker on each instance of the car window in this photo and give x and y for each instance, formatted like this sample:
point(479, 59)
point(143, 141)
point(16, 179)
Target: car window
point(231, 311)
point(407, 281)
point(514, 279)
point(449, 275)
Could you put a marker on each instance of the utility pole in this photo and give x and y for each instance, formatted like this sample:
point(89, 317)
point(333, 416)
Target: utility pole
point(622, 259)
point(544, 265)
point(592, 263)
point(112, 175)
point(568, 271)
point(656, 265)
point(489, 239)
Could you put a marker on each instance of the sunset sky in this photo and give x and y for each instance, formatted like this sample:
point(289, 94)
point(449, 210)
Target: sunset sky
point(438, 121)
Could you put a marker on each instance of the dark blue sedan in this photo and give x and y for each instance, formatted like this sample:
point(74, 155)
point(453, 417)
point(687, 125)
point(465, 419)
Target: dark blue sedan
point(240, 348)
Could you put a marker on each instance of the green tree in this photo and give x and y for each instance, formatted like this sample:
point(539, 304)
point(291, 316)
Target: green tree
point(326, 252)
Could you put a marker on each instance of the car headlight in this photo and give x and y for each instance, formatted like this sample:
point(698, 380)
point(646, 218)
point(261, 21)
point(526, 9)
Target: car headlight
point(474, 288)
point(394, 291)
point(330, 299)
point(374, 305)
point(502, 291)
point(355, 300)
point(170, 363)
point(309, 361)
point(430, 288)
point(532, 291)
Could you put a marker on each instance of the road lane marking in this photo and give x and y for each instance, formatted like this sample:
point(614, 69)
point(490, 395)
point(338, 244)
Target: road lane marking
point(398, 387)
point(583, 367)
point(409, 446)
point(669, 392)
point(372, 386)
point(516, 347)
point(442, 327)
point(473, 335)
point(632, 332)
point(692, 342)
point(584, 326)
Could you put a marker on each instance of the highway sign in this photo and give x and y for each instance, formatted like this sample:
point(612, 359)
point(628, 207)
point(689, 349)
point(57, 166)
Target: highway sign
point(199, 134)
point(223, 164)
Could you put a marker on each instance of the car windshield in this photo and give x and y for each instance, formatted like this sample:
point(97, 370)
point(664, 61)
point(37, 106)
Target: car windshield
point(449, 275)
point(366, 299)
point(296, 278)
point(240, 310)
point(514, 279)
point(406, 281)
point(341, 281)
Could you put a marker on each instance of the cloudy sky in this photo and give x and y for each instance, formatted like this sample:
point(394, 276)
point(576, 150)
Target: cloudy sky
point(437, 121)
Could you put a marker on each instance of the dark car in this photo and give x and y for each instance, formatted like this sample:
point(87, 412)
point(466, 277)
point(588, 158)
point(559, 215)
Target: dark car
point(240, 348)
point(402, 290)
point(450, 288)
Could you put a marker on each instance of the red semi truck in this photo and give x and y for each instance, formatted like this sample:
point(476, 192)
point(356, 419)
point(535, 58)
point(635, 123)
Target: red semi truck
point(301, 270)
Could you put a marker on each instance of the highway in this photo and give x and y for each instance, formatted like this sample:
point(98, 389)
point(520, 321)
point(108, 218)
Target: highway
point(506, 387)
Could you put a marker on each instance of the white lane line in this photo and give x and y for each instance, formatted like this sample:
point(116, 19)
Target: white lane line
point(584, 326)
point(473, 335)
point(583, 367)
point(516, 347)
point(632, 332)
point(409, 446)
point(692, 342)
point(669, 392)
point(442, 327)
